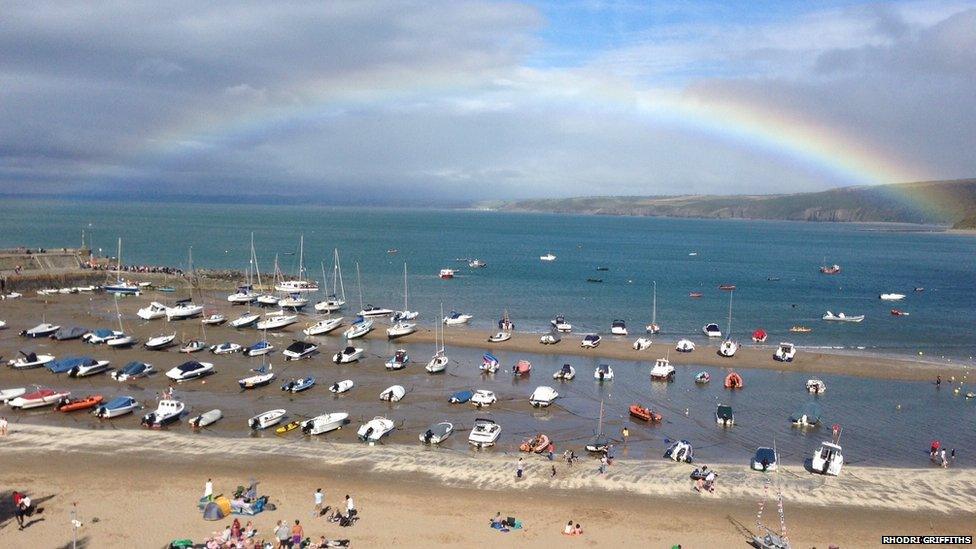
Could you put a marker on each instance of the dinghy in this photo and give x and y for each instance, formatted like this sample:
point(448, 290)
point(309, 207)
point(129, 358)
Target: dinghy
point(703, 377)
point(550, 338)
point(88, 367)
point(75, 404)
point(6, 395)
point(190, 370)
point(437, 433)
point(499, 337)
point(226, 348)
point(132, 370)
point(299, 350)
point(193, 346)
point(160, 342)
point(398, 361)
point(166, 412)
point(258, 349)
point(30, 360)
point(375, 429)
point(543, 396)
point(266, 419)
point(262, 376)
point(603, 372)
point(340, 387)
point(662, 370)
point(642, 343)
point(245, 320)
point(785, 352)
point(522, 368)
point(205, 419)
point(393, 393)
point(484, 433)
point(324, 423)
point(38, 398)
point(733, 381)
point(685, 346)
point(347, 355)
point(536, 444)
point(807, 416)
point(118, 406)
point(460, 397)
point(489, 363)
point(483, 397)
point(759, 336)
point(841, 317)
point(323, 326)
point(644, 413)
point(298, 385)
point(566, 373)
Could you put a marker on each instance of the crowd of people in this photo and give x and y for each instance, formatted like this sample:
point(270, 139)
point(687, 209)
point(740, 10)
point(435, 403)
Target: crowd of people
point(95, 265)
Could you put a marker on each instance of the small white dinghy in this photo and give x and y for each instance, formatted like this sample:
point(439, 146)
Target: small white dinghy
point(642, 344)
point(267, 419)
point(205, 419)
point(340, 387)
point(499, 337)
point(437, 433)
point(29, 360)
point(324, 423)
point(160, 341)
point(7, 395)
point(393, 393)
point(375, 429)
point(543, 396)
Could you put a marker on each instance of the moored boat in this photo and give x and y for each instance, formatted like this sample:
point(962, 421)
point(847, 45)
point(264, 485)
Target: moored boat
point(118, 406)
point(166, 412)
point(644, 413)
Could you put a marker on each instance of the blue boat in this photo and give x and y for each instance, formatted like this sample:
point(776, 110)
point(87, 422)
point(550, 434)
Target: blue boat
point(299, 385)
point(132, 370)
point(65, 365)
point(118, 406)
point(259, 348)
point(461, 397)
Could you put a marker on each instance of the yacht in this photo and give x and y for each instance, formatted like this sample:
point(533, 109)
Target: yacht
point(213, 319)
point(841, 317)
point(653, 327)
point(153, 311)
point(401, 317)
point(294, 301)
point(244, 294)
point(245, 320)
point(360, 327)
point(456, 318)
point(299, 285)
point(184, 308)
point(160, 342)
point(121, 286)
point(323, 326)
point(333, 302)
point(729, 347)
point(276, 321)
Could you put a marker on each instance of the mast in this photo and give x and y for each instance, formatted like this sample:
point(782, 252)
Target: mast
point(441, 349)
point(404, 286)
point(730, 314)
point(599, 428)
point(118, 268)
point(325, 282)
point(337, 270)
point(254, 258)
point(359, 283)
point(301, 257)
point(654, 305)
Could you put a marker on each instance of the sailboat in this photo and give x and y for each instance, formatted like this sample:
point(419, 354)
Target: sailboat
point(300, 284)
point(122, 339)
point(263, 299)
point(323, 325)
point(245, 292)
point(653, 327)
point(401, 327)
point(272, 299)
point(362, 325)
point(767, 538)
point(729, 346)
point(599, 442)
point(438, 363)
point(121, 286)
point(333, 302)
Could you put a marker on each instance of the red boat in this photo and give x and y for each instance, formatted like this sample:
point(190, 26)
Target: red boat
point(733, 381)
point(830, 270)
point(694, 294)
point(727, 287)
point(646, 414)
point(522, 368)
point(759, 336)
point(446, 274)
point(73, 404)
point(898, 312)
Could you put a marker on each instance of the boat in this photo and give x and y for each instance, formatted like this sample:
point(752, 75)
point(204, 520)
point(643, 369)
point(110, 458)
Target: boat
point(437, 433)
point(724, 415)
point(603, 372)
point(733, 381)
point(88, 367)
point(841, 317)
point(348, 354)
point(75, 404)
point(260, 348)
point(340, 387)
point(156, 343)
point(547, 257)
point(276, 321)
point(590, 341)
point(293, 301)
point(121, 286)
point(477, 264)
point(438, 363)
point(29, 360)
point(499, 337)
point(288, 427)
point(446, 274)
point(703, 377)
point(36, 399)
point(63, 334)
point(400, 328)
point(226, 348)
point(505, 323)
point(120, 339)
point(785, 352)
point(324, 423)
point(729, 347)
point(766, 459)
point(566, 373)
point(370, 311)
point(166, 289)
point(333, 302)
point(102, 335)
point(618, 327)
point(653, 327)
point(830, 269)
point(398, 361)
point(6, 395)
point(543, 396)
point(551, 338)
point(816, 386)
point(375, 429)
point(727, 287)
point(167, 411)
point(644, 413)
point(43, 329)
point(662, 370)
point(393, 393)
point(489, 363)
point(213, 319)
point(118, 406)
point(268, 300)
point(299, 350)
point(522, 368)
point(759, 336)
point(246, 319)
point(190, 370)
point(536, 444)
point(266, 419)
point(599, 443)
point(323, 326)
point(460, 397)
point(685, 346)
point(695, 295)
point(298, 385)
point(245, 293)
point(767, 538)
point(807, 416)
point(360, 327)
point(193, 346)
point(483, 397)
point(712, 330)
point(152, 311)
point(205, 419)
point(455, 319)
point(828, 459)
point(892, 297)
point(484, 433)
point(184, 308)
point(594, 280)
point(299, 284)
point(262, 376)
point(898, 312)
point(799, 329)
point(132, 370)
point(680, 450)
point(919, 289)
point(560, 325)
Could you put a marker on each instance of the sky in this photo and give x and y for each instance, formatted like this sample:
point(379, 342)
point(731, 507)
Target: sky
point(439, 102)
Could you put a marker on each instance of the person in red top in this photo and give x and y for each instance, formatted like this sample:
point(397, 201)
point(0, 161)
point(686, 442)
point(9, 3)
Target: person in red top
point(18, 510)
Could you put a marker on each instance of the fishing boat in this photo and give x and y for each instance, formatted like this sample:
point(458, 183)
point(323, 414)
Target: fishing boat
point(118, 406)
point(830, 269)
point(340, 387)
point(543, 396)
point(547, 257)
point(536, 444)
point(702, 378)
point(456, 319)
point(298, 385)
point(662, 370)
point(226, 348)
point(190, 370)
point(63, 334)
point(152, 311)
point(29, 360)
point(205, 419)
point(522, 368)
point(266, 419)
point(891, 297)
point(712, 330)
point(88, 367)
point(807, 416)
point(438, 363)
point(299, 350)
point(733, 381)
point(446, 274)
point(160, 342)
point(246, 319)
point(841, 317)
point(323, 326)
point(276, 320)
point(765, 459)
point(898, 312)
point(167, 411)
point(800, 329)
point(360, 327)
point(43, 329)
point(300, 284)
point(599, 443)
point(489, 363)
point(483, 398)
point(375, 429)
point(6, 395)
point(132, 370)
point(644, 413)
point(785, 352)
point(260, 348)
point(681, 451)
point(398, 361)
point(653, 327)
point(566, 373)
point(324, 423)
point(551, 338)
point(685, 346)
point(499, 337)
point(36, 399)
point(816, 386)
point(560, 325)
point(590, 341)
point(724, 415)
point(437, 433)
point(213, 319)
point(193, 346)
point(262, 376)
point(484, 433)
point(393, 393)
point(460, 397)
point(348, 354)
point(184, 308)
point(759, 336)
point(618, 327)
point(75, 404)
point(121, 286)
point(603, 372)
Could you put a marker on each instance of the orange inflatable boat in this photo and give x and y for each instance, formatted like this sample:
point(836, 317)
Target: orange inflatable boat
point(646, 414)
point(75, 404)
point(733, 381)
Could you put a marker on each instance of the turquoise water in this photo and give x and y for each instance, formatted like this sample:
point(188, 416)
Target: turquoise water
point(637, 251)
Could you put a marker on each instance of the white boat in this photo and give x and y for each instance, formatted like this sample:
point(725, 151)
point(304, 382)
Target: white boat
point(437, 433)
point(816, 386)
point(360, 327)
point(484, 433)
point(100, 336)
point(712, 330)
point(262, 376)
point(642, 344)
point(166, 412)
point(118, 406)
point(662, 370)
point(560, 325)
point(477, 264)
point(121, 286)
point(276, 321)
point(299, 350)
point(334, 302)
point(618, 327)
point(300, 284)
point(483, 397)
point(729, 347)
point(190, 370)
point(685, 346)
point(456, 319)
point(603, 372)
point(3, 324)
point(599, 442)
point(892, 297)
point(245, 320)
point(152, 311)
point(293, 301)
point(340, 387)
point(183, 309)
point(347, 355)
point(370, 311)
point(547, 257)
point(266, 419)
point(828, 459)
point(89, 368)
point(438, 363)
point(375, 429)
point(38, 398)
point(446, 274)
point(29, 360)
point(260, 348)
point(400, 329)
point(398, 361)
point(132, 370)
point(213, 319)
point(121, 341)
point(226, 348)
point(489, 363)
point(160, 341)
point(41, 330)
point(323, 326)
point(653, 327)
point(297, 385)
point(244, 294)
point(785, 352)
point(205, 419)
point(566, 373)
point(268, 300)
point(7, 395)
point(193, 346)
point(724, 415)
point(324, 423)
point(590, 341)
point(841, 317)
point(393, 393)
point(499, 337)
point(543, 396)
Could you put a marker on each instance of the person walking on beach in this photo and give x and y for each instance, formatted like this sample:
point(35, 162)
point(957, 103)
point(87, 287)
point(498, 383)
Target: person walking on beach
point(553, 474)
point(519, 468)
point(945, 462)
point(281, 534)
point(350, 507)
point(319, 498)
point(208, 490)
point(3, 426)
point(18, 511)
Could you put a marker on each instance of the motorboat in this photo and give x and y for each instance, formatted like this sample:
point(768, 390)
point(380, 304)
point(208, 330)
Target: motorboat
point(590, 341)
point(807, 416)
point(644, 413)
point(400, 328)
point(156, 343)
point(483, 397)
point(359, 328)
point(841, 317)
point(347, 355)
point(566, 373)
point(323, 326)
point(438, 363)
point(66, 405)
point(477, 264)
point(536, 444)
point(662, 370)
point(375, 429)
point(733, 381)
point(899, 312)
point(653, 327)
point(446, 274)
point(543, 396)
point(88, 367)
point(213, 319)
point(276, 321)
point(193, 346)
point(245, 320)
point(816, 386)
point(120, 341)
point(712, 330)
point(297, 286)
point(728, 348)
point(226, 348)
point(205, 419)
point(785, 352)
point(268, 300)
point(298, 385)
point(830, 269)
point(522, 368)
point(765, 460)
point(685, 346)
point(547, 257)
point(800, 329)
point(121, 287)
point(460, 397)
point(695, 295)
point(166, 412)
point(370, 311)
point(38, 398)
point(828, 459)
point(102, 335)
point(330, 304)
point(266, 419)
point(551, 338)
point(299, 350)
point(399, 316)
point(618, 327)
point(499, 337)
point(153, 311)
point(118, 406)
point(393, 393)
point(489, 363)
point(190, 370)
point(398, 361)
point(437, 433)
point(603, 372)
point(642, 344)
point(6, 395)
point(724, 415)
point(63, 334)
point(244, 294)
point(759, 336)
point(132, 370)
point(293, 301)
point(560, 325)
point(892, 297)
point(183, 309)
point(262, 376)
point(681, 450)
point(484, 433)
point(455, 319)
point(340, 387)
point(30, 360)
point(41, 330)
point(260, 348)
point(703, 377)
point(324, 423)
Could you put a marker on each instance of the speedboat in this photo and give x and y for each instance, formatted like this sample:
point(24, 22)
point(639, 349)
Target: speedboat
point(6, 395)
point(785, 352)
point(299, 350)
point(63, 334)
point(712, 330)
point(560, 325)
point(828, 459)
point(226, 348)
point(400, 329)
point(446, 274)
point(662, 370)
point(644, 413)
point(724, 415)
point(484, 433)
point(262, 376)
point(477, 264)
point(276, 321)
point(566, 373)
point(244, 294)
point(153, 311)
point(703, 377)
point(728, 348)
point(393, 393)
point(193, 346)
point(522, 368)
point(899, 312)
point(347, 355)
point(323, 326)
point(733, 381)
point(266, 419)
point(166, 412)
point(118, 406)
point(100, 336)
point(681, 450)
point(190, 370)
point(324, 423)
point(807, 416)
point(590, 341)
point(618, 327)
point(642, 343)
point(213, 319)
point(765, 459)
point(293, 301)
point(245, 320)
point(603, 372)
point(132, 370)
point(66, 405)
point(830, 269)
point(41, 330)
point(262, 347)
point(489, 363)
point(438, 363)
point(359, 328)
point(543, 396)
point(841, 317)
point(499, 337)
point(460, 397)
point(551, 338)
point(759, 336)
point(816, 386)
point(298, 385)
point(88, 367)
point(371, 311)
point(184, 308)
point(30, 360)
point(483, 397)
point(205, 419)
point(456, 319)
point(398, 361)
point(340, 387)
point(375, 429)
point(160, 341)
point(38, 398)
point(892, 297)
point(437, 433)
point(547, 257)
point(685, 346)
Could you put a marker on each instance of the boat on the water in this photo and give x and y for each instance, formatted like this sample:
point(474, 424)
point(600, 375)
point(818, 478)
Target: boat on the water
point(898, 312)
point(644, 413)
point(522, 368)
point(807, 416)
point(446, 274)
point(456, 319)
point(830, 269)
point(603, 372)
point(618, 327)
point(543, 396)
point(566, 373)
point(800, 329)
point(662, 370)
point(892, 297)
point(816, 386)
point(733, 381)
point(489, 363)
point(547, 257)
point(842, 317)
point(712, 330)
point(759, 336)
point(560, 325)
point(653, 327)
point(724, 415)
point(703, 377)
